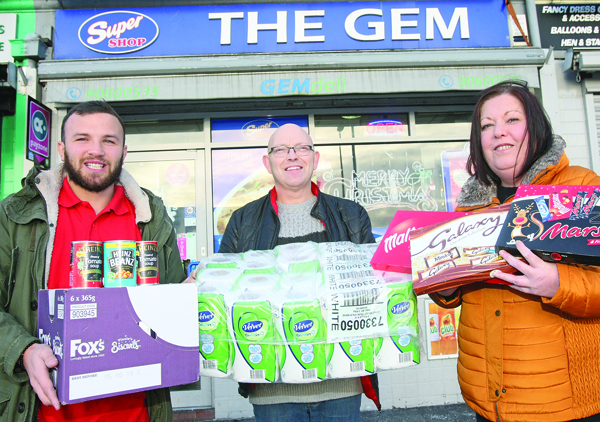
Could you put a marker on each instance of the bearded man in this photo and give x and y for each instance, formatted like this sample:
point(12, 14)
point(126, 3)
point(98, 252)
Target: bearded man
point(89, 197)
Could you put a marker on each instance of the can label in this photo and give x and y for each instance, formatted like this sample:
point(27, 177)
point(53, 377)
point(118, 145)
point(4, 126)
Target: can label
point(119, 263)
point(86, 264)
point(147, 262)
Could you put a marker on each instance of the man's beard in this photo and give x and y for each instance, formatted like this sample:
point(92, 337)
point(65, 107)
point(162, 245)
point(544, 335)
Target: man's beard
point(91, 183)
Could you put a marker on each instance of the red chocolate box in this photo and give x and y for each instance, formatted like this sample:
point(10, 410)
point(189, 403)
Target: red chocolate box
point(393, 253)
point(558, 223)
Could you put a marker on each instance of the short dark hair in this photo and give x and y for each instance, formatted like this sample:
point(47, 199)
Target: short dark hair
point(539, 129)
point(91, 107)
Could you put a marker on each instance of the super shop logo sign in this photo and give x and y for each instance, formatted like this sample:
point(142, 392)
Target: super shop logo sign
point(118, 32)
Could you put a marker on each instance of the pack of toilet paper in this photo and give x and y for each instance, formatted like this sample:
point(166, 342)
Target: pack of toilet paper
point(303, 313)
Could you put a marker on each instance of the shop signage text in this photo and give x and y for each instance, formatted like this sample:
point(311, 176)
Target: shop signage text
point(276, 28)
point(102, 32)
point(38, 139)
point(566, 26)
point(303, 86)
point(8, 31)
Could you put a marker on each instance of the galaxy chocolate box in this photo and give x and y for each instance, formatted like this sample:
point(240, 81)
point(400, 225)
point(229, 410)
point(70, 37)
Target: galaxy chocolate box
point(112, 341)
point(457, 252)
point(558, 223)
point(393, 252)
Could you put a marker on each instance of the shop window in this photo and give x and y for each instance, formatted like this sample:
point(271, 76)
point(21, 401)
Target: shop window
point(370, 126)
point(384, 178)
point(251, 129)
point(443, 124)
point(238, 177)
point(164, 135)
point(174, 183)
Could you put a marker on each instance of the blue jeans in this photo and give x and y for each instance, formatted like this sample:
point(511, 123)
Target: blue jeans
point(593, 418)
point(340, 410)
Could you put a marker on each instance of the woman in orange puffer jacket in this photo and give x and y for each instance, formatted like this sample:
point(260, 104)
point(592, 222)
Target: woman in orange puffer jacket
point(528, 351)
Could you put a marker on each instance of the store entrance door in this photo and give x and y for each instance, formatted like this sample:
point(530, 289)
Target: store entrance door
point(178, 177)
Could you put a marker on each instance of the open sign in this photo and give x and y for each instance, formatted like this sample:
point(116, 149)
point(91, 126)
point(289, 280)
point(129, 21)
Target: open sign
point(385, 128)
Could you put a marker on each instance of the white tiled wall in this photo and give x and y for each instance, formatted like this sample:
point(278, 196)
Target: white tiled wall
point(573, 119)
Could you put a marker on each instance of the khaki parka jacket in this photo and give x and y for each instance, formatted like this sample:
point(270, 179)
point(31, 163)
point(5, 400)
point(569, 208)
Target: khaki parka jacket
point(523, 357)
point(27, 229)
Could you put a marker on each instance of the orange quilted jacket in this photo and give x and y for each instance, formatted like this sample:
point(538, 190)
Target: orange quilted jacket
point(522, 357)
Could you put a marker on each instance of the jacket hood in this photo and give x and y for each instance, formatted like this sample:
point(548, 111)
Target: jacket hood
point(25, 205)
point(49, 184)
point(476, 193)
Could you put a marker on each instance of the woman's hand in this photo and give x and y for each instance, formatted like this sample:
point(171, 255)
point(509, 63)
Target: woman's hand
point(539, 278)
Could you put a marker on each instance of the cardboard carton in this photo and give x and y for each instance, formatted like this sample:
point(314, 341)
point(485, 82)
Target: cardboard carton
point(120, 340)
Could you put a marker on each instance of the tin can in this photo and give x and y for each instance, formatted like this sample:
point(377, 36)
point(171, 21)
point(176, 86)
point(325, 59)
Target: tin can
point(147, 262)
point(119, 263)
point(86, 264)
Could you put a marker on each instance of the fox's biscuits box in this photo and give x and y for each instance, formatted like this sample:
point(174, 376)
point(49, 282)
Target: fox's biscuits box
point(121, 340)
point(558, 223)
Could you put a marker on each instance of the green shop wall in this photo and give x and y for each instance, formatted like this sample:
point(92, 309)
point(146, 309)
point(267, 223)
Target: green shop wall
point(12, 164)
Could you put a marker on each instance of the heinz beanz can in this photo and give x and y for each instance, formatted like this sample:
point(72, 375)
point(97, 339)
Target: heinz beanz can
point(120, 263)
point(147, 262)
point(86, 264)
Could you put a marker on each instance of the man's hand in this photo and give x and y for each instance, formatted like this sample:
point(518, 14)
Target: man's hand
point(37, 359)
point(191, 278)
point(539, 278)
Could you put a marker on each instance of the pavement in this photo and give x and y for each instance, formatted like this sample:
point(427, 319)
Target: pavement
point(449, 412)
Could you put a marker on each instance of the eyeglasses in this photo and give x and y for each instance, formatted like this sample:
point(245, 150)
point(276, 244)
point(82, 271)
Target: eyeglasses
point(283, 151)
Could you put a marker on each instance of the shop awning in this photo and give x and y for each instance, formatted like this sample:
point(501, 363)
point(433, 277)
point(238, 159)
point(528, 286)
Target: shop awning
point(267, 76)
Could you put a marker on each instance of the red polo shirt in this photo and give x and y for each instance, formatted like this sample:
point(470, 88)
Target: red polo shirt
point(77, 220)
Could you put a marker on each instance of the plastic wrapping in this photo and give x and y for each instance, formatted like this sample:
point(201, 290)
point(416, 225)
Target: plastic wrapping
point(302, 313)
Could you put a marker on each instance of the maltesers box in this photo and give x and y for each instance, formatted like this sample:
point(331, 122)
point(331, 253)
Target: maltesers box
point(393, 252)
point(458, 251)
point(112, 341)
point(558, 223)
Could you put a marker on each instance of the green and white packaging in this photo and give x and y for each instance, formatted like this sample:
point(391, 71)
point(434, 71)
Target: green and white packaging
point(216, 346)
point(354, 358)
point(255, 351)
point(303, 329)
point(298, 258)
point(401, 347)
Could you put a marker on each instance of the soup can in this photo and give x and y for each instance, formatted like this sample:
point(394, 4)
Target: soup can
point(147, 262)
point(86, 264)
point(119, 263)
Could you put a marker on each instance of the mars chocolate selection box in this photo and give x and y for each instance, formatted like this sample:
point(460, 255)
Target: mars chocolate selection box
point(558, 223)
point(110, 342)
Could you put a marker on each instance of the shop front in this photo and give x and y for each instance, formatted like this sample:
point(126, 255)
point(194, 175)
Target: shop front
point(385, 91)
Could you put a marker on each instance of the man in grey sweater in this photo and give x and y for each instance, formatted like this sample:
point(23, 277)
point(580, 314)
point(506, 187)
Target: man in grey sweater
point(296, 211)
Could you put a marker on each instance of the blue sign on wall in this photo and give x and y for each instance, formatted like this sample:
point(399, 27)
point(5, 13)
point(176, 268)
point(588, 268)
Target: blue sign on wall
point(278, 28)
